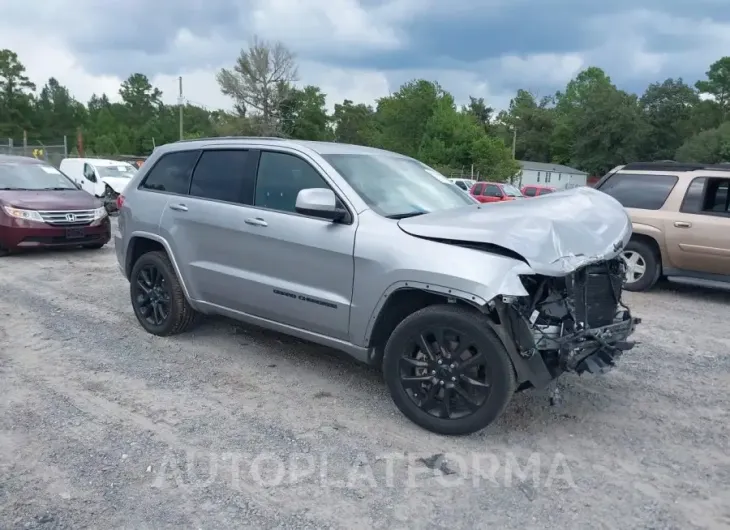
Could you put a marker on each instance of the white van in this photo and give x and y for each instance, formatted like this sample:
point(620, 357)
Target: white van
point(105, 179)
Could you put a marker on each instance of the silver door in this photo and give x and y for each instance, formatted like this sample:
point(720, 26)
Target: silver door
point(298, 269)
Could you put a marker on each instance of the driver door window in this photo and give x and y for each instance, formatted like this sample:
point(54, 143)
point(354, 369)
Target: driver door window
point(492, 191)
point(280, 178)
point(89, 173)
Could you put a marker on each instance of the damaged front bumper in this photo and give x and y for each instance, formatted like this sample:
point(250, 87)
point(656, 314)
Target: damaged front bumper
point(575, 323)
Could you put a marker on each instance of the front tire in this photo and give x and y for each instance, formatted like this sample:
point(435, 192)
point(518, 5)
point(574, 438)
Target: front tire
point(643, 266)
point(447, 371)
point(158, 299)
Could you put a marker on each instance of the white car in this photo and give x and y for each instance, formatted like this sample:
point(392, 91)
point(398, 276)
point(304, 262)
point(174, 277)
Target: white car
point(105, 179)
point(464, 184)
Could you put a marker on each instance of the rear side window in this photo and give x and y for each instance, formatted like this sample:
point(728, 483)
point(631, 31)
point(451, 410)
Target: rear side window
point(645, 192)
point(172, 173)
point(219, 175)
point(545, 190)
point(461, 184)
point(530, 192)
point(708, 196)
point(477, 189)
point(492, 191)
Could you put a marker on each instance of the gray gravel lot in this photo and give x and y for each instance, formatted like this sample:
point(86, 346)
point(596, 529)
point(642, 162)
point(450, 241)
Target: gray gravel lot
point(104, 426)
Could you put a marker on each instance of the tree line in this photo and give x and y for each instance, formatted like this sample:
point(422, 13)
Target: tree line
point(591, 124)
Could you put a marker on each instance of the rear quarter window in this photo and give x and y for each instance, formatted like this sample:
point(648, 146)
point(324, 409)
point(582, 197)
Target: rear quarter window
point(172, 173)
point(644, 192)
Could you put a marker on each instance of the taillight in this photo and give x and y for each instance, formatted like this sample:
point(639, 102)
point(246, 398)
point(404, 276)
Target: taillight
point(120, 202)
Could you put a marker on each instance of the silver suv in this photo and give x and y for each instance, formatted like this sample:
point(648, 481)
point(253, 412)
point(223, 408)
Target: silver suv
point(379, 256)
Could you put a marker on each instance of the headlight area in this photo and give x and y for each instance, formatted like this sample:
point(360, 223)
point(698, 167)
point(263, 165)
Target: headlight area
point(578, 322)
point(24, 215)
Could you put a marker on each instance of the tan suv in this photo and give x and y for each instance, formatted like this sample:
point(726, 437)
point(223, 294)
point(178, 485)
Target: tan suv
point(681, 218)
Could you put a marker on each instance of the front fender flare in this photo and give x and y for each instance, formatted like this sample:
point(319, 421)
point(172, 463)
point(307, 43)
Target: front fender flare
point(470, 298)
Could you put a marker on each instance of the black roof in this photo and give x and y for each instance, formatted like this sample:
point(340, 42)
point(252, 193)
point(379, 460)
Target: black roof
point(669, 165)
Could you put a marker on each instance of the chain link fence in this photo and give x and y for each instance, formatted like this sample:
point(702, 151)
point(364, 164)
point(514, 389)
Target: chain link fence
point(51, 153)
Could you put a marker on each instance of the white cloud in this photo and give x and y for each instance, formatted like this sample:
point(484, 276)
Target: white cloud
point(192, 47)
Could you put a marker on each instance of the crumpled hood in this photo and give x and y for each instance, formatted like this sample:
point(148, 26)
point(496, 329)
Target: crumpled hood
point(116, 183)
point(555, 233)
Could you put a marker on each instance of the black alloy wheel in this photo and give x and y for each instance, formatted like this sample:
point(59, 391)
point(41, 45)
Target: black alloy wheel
point(447, 370)
point(158, 297)
point(444, 373)
point(152, 295)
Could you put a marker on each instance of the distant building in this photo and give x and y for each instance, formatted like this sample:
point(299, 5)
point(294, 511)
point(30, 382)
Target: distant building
point(555, 175)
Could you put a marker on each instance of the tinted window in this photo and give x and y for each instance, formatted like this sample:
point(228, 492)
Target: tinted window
point(530, 192)
point(461, 184)
point(717, 195)
point(692, 202)
point(219, 175)
point(477, 189)
point(646, 192)
point(545, 190)
point(492, 191)
point(172, 172)
point(280, 178)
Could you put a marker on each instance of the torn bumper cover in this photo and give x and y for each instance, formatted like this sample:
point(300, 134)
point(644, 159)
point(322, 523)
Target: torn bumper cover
point(576, 323)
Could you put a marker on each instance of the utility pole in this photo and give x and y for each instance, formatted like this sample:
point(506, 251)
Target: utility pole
point(180, 102)
point(514, 142)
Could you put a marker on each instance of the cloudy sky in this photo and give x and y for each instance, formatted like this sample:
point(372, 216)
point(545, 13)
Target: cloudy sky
point(362, 49)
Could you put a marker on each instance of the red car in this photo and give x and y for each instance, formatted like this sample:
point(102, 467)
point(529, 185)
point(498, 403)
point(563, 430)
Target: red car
point(42, 207)
point(495, 192)
point(535, 191)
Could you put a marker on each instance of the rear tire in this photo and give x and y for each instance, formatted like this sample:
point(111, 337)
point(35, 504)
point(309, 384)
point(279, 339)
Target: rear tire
point(494, 379)
point(180, 316)
point(643, 255)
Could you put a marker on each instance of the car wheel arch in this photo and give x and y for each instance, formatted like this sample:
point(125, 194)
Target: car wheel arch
point(142, 243)
point(653, 244)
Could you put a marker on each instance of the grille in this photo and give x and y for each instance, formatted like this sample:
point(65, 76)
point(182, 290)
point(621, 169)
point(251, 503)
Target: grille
point(68, 217)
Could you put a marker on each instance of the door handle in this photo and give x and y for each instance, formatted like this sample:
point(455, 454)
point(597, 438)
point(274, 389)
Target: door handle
point(256, 221)
point(682, 224)
point(179, 207)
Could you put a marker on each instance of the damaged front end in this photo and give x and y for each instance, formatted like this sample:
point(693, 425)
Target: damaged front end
point(575, 323)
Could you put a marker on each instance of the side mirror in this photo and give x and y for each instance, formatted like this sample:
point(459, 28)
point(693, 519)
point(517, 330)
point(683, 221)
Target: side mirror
point(319, 202)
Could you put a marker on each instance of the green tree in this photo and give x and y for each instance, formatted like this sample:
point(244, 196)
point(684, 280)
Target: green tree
point(710, 147)
point(16, 96)
point(354, 123)
point(668, 111)
point(304, 115)
point(717, 84)
point(597, 125)
point(57, 112)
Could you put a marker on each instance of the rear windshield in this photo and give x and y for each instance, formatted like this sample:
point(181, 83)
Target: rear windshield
point(24, 176)
point(645, 192)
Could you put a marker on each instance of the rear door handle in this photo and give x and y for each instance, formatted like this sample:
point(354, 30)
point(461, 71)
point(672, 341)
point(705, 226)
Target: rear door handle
point(179, 207)
point(256, 221)
point(682, 224)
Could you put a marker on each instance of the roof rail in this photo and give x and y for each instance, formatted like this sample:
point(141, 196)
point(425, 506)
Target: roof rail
point(213, 138)
point(670, 165)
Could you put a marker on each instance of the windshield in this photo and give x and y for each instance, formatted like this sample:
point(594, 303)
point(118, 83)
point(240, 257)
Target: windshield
point(511, 191)
point(24, 176)
point(122, 170)
point(397, 187)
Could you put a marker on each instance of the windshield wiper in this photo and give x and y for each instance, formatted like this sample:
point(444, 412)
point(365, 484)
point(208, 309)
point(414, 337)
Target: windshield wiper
point(55, 189)
point(404, 215)
point(15, 189)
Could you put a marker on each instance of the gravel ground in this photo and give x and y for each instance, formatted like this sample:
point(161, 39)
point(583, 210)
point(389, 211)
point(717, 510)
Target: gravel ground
point(104, 426)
